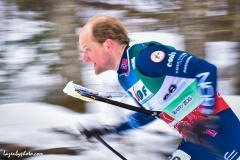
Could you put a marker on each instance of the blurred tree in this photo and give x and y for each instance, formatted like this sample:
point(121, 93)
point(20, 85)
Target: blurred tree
point(191, 17)
point(192, 26)
point(235, 10)
point(62, 15)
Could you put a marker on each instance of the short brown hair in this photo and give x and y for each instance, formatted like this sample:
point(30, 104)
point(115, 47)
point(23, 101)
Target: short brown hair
point(104, 27)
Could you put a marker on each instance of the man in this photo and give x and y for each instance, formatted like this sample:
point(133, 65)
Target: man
point(161, 78)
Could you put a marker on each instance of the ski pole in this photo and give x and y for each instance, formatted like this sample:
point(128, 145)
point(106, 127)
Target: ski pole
point(108, 146)
point(94, 135)
point(86, 94)
point(154, 114)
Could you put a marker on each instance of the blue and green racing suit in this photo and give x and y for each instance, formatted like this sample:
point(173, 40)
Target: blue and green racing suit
point(182, 86)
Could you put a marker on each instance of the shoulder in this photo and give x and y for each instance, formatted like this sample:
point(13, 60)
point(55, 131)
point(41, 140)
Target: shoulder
point(161, 60)
point(155, 54)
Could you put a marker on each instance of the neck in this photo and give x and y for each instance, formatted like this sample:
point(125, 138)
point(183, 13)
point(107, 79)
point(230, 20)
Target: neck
point(119, 52)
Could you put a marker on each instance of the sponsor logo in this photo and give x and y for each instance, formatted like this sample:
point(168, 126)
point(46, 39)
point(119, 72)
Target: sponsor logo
point(171, 58)
point(229, 156)
point(179, 62)
point(186, 64)
point(171, 89)
point(157, 56)
point(182, 105)
point(140, 92)
point(206, 89)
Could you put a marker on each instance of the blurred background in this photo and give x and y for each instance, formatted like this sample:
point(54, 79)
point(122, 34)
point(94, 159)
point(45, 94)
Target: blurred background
point(40, 54)
point(39, 50)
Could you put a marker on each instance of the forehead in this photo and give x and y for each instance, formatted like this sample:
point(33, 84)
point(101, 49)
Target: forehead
point(85, 32)
point(84, 38)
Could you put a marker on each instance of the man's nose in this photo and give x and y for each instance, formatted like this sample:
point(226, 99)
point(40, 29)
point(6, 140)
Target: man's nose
point(85, 58)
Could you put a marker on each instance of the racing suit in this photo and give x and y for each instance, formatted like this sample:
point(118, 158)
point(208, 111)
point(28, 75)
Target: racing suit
point(161, 78)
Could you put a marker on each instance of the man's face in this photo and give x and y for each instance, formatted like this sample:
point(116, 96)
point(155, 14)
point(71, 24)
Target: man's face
point(95, 53)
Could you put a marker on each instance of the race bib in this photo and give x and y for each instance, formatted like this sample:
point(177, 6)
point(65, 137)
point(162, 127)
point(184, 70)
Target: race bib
point(179, 155)
point(140, 92)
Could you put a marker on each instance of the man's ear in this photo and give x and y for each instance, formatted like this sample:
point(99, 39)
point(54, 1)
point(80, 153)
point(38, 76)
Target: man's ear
point(109, 44)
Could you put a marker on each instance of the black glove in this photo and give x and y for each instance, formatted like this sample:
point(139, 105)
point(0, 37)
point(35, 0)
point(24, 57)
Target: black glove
point(90, 133)
point(197, 130)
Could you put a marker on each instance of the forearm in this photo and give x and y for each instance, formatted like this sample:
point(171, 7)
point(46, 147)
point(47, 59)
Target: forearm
point(206, 74)
point(135, 120)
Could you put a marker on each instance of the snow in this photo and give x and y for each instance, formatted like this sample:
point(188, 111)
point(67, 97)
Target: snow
point(35, 125)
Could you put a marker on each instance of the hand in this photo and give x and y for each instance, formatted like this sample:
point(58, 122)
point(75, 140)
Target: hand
point(90, 133)
point(196, 131)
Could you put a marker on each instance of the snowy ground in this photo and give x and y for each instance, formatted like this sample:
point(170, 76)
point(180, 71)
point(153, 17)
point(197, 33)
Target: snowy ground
point(42, 126)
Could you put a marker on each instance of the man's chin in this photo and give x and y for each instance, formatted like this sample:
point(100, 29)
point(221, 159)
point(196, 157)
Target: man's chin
point(97, 72)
